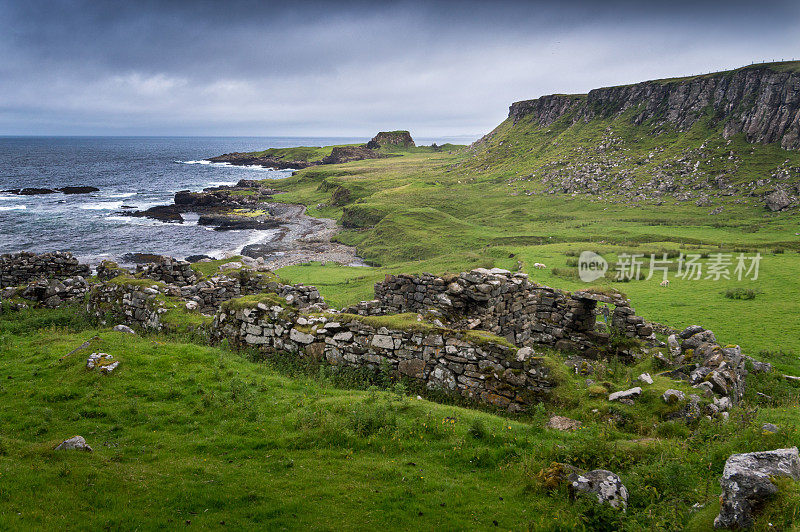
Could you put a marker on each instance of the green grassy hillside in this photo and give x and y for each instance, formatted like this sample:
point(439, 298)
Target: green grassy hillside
point(186, 434)
point(534, 193)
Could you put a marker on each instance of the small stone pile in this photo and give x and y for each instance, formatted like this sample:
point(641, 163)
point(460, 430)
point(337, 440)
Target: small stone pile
point(18, 269)
point(104, 361)
point(697, 358)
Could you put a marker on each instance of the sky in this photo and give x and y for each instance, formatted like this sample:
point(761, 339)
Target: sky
point(447, 68)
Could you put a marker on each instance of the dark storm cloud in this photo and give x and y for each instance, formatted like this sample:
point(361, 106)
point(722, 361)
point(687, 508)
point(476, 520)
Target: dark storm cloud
point(349, 67)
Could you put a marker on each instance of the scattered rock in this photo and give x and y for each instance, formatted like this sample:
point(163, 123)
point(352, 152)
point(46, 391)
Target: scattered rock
point(746, 483)
point(626, 394)
point(104, 361)
point(124, 329)
point(563, 423)
point(76, 443)
point(769, 428)
point(646, 378)
point(606, 485)
point(82, 189)
point(235, 265)
point(673, 396)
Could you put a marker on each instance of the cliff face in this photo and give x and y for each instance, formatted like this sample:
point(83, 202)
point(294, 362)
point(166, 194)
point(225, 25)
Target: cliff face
point(761, 102)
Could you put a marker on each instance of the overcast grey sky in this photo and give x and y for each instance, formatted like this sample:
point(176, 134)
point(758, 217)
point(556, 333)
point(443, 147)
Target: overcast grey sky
point(349, 68)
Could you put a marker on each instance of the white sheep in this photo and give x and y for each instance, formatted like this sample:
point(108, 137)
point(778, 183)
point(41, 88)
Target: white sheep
point(539, 266)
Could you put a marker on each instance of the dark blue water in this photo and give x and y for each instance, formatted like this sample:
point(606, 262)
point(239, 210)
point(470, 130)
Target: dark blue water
point(129, 171)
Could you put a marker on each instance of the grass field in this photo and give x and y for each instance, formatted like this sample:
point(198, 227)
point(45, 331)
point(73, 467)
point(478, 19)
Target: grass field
point(185, 434)
point(452, 211)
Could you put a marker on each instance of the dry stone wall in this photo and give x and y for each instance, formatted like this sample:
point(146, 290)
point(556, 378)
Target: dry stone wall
point(485, 371)
point(18, 269)
point(135, 305)
point(509, 305)
point(170, 271)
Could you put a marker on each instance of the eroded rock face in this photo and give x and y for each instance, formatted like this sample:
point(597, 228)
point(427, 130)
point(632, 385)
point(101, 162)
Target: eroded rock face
point(762, 103)
point(746, 483)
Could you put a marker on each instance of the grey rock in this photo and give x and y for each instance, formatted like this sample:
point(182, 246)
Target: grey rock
point(300, 337)
point(626, 394)
point(777, 201)
point(563, 423)
point(691, 330)
point(674, 346)
point(606, 485)
point(124, 329)
point(646, 378)
point(673, 396)
point(76, 443)
point(770, 428)
point(746, 483)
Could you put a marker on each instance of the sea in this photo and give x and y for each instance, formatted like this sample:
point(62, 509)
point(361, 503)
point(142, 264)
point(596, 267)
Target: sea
point(131, 173)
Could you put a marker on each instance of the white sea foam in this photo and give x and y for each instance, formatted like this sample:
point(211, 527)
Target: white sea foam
point(121, 195)
point(229, 165)
point(102, 206)
point(13, 207)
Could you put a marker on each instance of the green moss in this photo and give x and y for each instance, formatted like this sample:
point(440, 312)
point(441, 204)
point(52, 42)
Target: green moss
point(398, 322)
point(251, 301)
point(596, 390)
point(210, 268)
point(127, 280)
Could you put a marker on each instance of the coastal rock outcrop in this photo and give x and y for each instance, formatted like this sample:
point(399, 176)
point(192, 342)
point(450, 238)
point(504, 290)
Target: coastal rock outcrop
point(391, 138)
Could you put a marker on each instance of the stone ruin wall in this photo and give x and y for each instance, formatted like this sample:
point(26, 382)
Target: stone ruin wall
point(442, 352)
point(511, 306)
point(488, 372)
point(22, 268)
point(170, 271)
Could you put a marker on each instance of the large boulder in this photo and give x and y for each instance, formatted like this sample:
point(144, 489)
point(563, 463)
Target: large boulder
point(777, 201)
point(746, 483)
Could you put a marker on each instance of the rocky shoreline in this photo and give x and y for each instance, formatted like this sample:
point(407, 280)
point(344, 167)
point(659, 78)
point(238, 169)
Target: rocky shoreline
point(297, 238)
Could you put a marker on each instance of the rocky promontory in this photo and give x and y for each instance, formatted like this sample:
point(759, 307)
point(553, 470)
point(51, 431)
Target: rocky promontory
point(290, 159)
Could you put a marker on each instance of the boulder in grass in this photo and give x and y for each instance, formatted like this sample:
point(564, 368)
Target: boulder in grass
point(76, 443)
point(607, 486)
point(747, 483)
point(563, 423)
point(625, 394)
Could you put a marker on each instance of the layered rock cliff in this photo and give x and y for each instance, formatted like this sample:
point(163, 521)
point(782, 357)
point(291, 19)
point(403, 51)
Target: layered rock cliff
point(761, 101)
